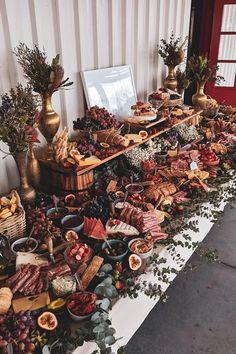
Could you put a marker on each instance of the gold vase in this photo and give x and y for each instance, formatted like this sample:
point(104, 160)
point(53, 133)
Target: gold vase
point(49, 122)
point(33, 169)
point(26, 191)
point(199, 98)
point(170, 81)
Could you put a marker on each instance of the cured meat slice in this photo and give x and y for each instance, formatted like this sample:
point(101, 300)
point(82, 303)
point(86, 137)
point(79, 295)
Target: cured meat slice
point(21, 282)
point(58, 270)
point(34, 275)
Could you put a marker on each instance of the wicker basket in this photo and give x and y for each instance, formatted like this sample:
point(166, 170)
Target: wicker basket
point(14, 226)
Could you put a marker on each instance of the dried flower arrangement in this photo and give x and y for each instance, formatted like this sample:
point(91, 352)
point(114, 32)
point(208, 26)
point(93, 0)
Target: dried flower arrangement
point(19, 118)
point(182, 80)
point(199, 70)
point(44, 77)
point(172, 52)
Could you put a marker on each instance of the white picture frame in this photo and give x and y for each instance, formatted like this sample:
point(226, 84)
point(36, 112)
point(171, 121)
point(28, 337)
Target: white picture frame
point(112, 88)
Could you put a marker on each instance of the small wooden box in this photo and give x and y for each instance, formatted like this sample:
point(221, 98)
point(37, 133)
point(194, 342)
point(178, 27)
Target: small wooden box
point(54, 177)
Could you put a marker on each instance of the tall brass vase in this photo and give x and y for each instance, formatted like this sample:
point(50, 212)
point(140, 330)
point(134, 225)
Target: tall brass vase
point(26, 191)
point(170, 81)
point(33, 169)
point(49, 122)
point(199, 98)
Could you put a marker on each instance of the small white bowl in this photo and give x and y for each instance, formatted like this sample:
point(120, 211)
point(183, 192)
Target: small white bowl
point(23, 240)
point(141, 255)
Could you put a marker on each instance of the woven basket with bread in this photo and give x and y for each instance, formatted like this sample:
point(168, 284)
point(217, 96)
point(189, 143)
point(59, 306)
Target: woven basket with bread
point(12, 216)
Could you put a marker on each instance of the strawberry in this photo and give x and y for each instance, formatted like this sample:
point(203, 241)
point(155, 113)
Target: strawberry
point(119, 285)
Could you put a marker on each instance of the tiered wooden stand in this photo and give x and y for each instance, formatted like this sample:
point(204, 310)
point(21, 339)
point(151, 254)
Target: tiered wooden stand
point(58, 179)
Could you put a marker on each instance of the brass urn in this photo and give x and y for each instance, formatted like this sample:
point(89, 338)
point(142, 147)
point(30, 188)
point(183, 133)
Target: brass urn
point(199, 98)
point(26, 191)
point(170, 81)
point(49, 122)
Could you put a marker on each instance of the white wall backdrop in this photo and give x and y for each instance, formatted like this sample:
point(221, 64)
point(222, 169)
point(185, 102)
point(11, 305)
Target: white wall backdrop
point(88, 34)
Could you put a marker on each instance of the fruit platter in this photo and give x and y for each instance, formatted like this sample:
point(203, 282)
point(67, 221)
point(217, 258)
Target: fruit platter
point(82, 250)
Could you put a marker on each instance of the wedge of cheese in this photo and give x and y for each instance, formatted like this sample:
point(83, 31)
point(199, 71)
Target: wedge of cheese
point(115, 226)
point(92, 160)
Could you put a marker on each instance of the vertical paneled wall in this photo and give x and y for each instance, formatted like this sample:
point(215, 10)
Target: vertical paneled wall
point(88, 34)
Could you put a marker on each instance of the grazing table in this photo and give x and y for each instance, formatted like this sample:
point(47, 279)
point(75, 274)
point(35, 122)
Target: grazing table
point(128, 314)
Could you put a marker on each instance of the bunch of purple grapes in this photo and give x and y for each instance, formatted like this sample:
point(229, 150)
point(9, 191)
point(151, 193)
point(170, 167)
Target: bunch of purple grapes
point(85, 147)
point(42, 224)
point(96, 119)
point(15, 329)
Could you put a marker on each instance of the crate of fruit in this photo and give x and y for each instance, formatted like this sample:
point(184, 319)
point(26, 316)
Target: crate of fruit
point(12, 216)
point(55, 178)
point(96, 121)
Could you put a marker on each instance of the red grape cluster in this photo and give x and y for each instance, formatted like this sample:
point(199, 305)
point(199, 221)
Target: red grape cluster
point(96, 119)
point(86, 146)
point(15, 329)
point(42, 224)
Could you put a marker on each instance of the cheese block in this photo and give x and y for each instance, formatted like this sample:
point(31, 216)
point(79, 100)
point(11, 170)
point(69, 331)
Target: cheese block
point(91, 271)
point(136, 138)
point(32, 258)
point(92, 160)
point(114, 226)
point(31, 302)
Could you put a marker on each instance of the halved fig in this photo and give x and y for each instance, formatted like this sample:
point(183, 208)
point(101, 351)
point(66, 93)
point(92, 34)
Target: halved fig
point(143, 134)
point(48, 321)
point(135, 262)
point(71, 236)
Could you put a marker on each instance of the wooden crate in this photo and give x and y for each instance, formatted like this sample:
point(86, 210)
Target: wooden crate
point(56, 178)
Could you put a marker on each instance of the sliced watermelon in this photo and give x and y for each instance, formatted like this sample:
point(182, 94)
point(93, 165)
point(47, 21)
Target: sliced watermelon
point(98, 231)
point(92, 225)
point(86, 223)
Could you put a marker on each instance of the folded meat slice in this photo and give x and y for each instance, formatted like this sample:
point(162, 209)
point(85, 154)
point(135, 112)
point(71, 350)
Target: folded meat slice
point(57, 270)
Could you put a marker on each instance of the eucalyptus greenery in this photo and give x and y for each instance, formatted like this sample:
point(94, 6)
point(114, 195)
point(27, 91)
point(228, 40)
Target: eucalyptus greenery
point(172, 52)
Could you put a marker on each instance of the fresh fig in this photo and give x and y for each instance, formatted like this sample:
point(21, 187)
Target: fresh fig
point(48, 321)
point(135, 262)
